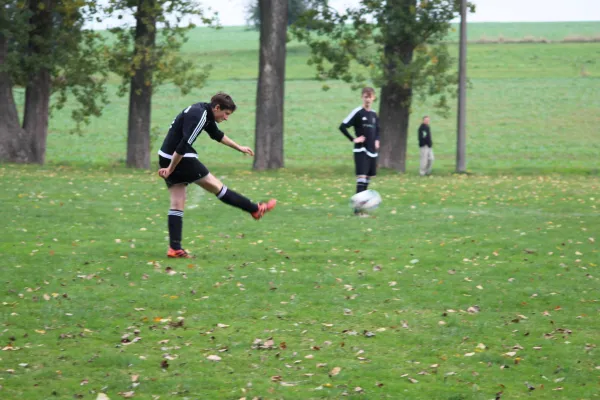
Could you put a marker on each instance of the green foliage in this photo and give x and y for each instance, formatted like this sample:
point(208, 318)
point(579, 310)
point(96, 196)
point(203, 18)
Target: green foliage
point(163, 57)
point(72, 54)
point(398, 41)
point(295, 9)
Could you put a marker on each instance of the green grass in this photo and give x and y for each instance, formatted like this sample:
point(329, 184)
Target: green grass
point(83, 264)
point(83, 245)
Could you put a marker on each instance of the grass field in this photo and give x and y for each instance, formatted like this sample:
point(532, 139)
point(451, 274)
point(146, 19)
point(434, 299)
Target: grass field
point(476, 286)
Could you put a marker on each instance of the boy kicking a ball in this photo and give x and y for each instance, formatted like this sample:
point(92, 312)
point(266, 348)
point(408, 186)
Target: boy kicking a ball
point(179, 165)
point(366, 143)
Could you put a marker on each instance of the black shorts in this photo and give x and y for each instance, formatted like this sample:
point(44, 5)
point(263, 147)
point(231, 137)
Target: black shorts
point(189, 170)
point(365, 165)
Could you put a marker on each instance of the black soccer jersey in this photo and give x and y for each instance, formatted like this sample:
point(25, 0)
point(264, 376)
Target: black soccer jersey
point(365, 124)
point(185, 129)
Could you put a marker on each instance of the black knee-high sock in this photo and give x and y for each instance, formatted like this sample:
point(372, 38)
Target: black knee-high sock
point(361, 184)
point(175, 228)
point(235, 199)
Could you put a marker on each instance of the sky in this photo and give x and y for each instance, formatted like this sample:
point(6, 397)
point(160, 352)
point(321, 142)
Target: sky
point(233, 12)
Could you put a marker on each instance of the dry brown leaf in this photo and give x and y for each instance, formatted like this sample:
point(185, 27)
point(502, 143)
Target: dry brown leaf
point(334, 371)
point(213, 357)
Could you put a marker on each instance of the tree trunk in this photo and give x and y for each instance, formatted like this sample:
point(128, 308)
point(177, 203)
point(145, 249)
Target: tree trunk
point(38, 90)
point(271, 82)
point(35, 118)
point(29, 144)
point(393, 115)
point(12, 137)
point(395, 103)
point(140, 96)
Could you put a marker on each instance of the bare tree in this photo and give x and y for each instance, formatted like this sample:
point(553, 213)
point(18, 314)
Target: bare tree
point(271, 81)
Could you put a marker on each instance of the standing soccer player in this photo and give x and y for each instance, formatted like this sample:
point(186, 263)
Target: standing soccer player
point(366, 143)
point(179, 164)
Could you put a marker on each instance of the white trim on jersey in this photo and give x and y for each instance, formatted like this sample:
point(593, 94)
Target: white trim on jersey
point(170, 157)
point(363, 149)
point(198, 128)
point(352, 113)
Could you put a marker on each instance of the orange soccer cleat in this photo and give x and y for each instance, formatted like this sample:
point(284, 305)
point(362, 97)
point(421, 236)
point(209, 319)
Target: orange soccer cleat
point(264, 208)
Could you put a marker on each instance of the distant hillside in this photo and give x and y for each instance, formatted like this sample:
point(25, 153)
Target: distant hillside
point(553, 31)
point(241, 38)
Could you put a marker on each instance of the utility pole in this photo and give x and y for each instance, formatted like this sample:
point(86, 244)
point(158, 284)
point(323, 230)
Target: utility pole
point(461, 162)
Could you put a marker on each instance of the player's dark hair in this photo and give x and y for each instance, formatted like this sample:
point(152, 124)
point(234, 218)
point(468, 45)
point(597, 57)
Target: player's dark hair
point(426, 116)
point(224, 101)
point(368, 90)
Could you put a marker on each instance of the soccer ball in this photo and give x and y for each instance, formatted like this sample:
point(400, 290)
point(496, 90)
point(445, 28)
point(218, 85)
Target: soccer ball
point(367, 200)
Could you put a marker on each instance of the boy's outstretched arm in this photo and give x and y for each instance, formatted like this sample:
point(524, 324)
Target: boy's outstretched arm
point(229, 142)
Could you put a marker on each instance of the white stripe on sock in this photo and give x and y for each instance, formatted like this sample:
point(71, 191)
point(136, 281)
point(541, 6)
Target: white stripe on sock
point(222, 192)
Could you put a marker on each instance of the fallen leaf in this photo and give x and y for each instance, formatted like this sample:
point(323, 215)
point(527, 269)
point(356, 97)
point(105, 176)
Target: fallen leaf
point(412, 380)
point(102, 396)
point(214, 358)
point(334, 371)
point(127, 395)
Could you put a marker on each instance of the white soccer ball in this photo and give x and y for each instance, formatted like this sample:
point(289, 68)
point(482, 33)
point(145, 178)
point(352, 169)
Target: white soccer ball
point(367, 200)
